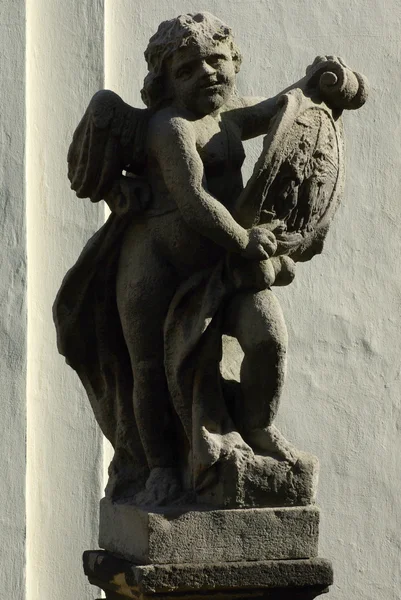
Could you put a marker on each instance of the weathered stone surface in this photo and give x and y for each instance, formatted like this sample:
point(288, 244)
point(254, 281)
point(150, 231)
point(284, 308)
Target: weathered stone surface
point(263, 481)
point(305, 593)
point(285, 579)
point(188, 255)
point(208, 536)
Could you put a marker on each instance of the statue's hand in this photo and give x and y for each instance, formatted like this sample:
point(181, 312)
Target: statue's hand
point(261, 244)
point(336, 83)
point(322, 61)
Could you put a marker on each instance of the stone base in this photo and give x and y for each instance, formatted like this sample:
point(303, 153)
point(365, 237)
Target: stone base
point(247, 481)
point(176, 536)
point(270, 580)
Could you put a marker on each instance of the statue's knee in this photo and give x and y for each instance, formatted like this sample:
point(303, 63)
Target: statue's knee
point(265, 347)
point(275, 347)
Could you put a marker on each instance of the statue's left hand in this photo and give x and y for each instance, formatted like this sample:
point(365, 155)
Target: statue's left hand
point(336, 83)
point(261, 244)
point(322, 61)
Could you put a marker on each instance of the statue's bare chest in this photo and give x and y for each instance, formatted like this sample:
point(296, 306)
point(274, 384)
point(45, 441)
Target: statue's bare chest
point(220, 147)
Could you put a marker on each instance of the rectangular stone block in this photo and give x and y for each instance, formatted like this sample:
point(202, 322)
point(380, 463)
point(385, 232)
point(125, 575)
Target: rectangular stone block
point(270, 580)
point(176, 536)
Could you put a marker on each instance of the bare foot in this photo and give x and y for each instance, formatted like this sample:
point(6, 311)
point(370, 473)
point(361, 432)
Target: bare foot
point(162, 487)
point(272, 441)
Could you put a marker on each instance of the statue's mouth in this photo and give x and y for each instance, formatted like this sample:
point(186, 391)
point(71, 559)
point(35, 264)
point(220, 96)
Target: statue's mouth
point(212, 87)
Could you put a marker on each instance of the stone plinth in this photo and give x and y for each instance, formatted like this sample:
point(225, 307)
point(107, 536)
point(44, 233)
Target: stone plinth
point(270, 580)
point(263, 481)
point(176, 536)
point(266, 553)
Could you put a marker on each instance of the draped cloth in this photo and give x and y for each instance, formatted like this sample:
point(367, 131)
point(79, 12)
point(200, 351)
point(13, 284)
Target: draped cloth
point(90, 336)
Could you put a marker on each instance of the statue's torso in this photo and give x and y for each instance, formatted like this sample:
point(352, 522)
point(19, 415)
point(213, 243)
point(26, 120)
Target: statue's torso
point(218, 142)
point(163, 229)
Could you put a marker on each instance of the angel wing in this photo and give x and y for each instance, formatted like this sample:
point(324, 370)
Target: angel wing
point(109, 139)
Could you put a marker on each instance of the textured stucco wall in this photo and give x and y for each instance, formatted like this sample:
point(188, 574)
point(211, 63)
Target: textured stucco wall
point(342, 399)
point(12, 300)
point(64, 479)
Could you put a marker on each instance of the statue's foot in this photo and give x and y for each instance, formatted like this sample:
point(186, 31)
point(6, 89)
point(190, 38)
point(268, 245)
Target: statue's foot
point(270, 440)
point(162, 487)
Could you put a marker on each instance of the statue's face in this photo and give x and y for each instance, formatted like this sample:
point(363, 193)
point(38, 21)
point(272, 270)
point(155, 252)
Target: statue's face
point(201, 78)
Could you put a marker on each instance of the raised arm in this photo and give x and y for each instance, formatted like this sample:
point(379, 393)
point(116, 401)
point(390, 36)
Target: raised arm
point(328, 78)
point(253, 114)
point(172, 143)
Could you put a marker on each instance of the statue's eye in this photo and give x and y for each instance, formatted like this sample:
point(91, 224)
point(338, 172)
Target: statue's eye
point(216, 60)
point(184, 72)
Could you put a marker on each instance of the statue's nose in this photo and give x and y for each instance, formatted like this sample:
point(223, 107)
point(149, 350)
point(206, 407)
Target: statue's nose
point(206, 68)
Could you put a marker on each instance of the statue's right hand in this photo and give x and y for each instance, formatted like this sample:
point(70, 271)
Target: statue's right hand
point(261, 245)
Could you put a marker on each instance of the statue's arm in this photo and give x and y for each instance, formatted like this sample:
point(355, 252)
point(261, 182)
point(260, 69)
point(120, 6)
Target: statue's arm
point(172, 143)
point(328, 78)
point(253, 114)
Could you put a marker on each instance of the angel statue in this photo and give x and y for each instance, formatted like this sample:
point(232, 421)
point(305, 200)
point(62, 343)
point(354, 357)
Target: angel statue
point(189, 255)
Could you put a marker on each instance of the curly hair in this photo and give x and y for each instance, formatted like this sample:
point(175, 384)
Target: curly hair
point(171, 35)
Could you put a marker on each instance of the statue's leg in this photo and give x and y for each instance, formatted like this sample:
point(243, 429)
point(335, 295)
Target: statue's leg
point(256, 320)
point(145, 287)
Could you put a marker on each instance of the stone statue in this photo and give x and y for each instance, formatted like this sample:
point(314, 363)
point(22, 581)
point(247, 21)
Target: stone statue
point(189, 255)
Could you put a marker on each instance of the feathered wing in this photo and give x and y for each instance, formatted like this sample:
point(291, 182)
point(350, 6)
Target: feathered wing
point(110, 138)
point(297, 182)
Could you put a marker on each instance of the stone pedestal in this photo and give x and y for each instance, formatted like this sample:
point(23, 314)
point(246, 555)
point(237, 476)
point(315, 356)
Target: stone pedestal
point(179, 536)
point(270, 580)
point(210, 554)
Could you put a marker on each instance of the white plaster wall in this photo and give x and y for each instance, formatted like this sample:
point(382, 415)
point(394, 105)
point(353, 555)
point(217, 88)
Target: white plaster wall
point(12, 300)
point(342, 399)
point(64, 476)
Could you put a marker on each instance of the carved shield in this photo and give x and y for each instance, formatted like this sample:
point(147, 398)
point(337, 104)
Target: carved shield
point(297, 182)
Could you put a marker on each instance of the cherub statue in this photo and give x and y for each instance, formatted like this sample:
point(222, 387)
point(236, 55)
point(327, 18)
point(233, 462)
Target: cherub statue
point(188, 255)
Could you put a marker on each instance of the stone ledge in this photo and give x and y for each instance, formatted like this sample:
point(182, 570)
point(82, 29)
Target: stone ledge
point(281, 580)
point(208, 536)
